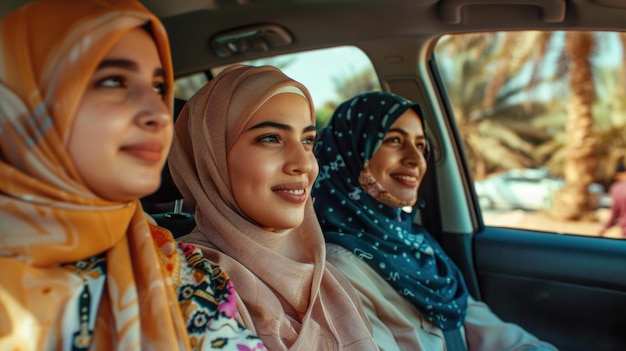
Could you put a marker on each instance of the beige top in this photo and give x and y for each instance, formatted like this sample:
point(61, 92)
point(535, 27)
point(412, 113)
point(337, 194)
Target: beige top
point(398, 325)
point(288, 296)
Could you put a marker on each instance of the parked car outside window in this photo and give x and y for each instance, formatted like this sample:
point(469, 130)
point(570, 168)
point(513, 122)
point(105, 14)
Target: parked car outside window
point(530, 189)
point(530, 145)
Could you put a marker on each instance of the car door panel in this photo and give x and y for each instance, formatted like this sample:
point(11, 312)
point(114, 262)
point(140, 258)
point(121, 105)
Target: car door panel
point(570, 290)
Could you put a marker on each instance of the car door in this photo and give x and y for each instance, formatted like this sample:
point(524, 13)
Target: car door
point(564, 286)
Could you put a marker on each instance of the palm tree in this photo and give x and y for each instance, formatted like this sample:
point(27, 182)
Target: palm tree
point(493, 112)
point(609, 122)
point(491, 139)
point(347, 86)
point(573, 201)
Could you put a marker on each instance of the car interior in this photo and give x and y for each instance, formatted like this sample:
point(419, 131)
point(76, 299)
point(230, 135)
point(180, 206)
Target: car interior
point(567, 289)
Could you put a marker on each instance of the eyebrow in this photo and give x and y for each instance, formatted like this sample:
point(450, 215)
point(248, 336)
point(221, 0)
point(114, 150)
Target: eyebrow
point(128, 65)
point(403, 132)
point(280, 126)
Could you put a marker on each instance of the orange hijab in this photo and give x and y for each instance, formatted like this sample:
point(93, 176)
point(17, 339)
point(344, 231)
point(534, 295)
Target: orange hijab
point(291, 298)
point(48, 217)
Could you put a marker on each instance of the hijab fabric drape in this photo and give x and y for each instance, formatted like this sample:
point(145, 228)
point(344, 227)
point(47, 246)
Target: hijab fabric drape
point(291, 299)
point(49, 219)
point(384, 237)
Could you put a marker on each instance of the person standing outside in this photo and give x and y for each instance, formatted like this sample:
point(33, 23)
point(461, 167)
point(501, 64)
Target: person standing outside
point(617, 191)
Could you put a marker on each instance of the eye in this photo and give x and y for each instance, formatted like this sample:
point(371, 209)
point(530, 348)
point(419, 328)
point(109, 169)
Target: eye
point(269, 139)
point(111, 82)
point(161, 88)
point(393, 140)
point(309, 141)
point(423, 147)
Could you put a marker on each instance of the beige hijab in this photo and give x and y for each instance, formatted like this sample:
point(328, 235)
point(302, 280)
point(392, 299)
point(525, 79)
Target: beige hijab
point(290, 297)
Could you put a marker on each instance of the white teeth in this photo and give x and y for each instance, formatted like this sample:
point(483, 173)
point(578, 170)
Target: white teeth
point(294, 191)
point(409, 178)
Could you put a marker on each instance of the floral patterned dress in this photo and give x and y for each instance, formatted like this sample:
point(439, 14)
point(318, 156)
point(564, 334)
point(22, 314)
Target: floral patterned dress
point(206, 298)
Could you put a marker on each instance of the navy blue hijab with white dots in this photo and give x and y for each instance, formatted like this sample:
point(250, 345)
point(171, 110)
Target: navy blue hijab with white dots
point(386, 238)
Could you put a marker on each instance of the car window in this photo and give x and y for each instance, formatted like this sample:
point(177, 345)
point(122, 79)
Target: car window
point(541, 117)
point(331, 75)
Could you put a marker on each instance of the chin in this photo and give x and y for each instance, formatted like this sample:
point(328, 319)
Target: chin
point(412, 200)
point(136, 191)
point(405, 197)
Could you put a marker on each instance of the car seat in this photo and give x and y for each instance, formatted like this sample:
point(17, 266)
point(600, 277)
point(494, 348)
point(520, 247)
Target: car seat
point(166, 205)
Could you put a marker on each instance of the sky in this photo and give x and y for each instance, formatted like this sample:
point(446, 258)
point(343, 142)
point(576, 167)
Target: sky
point(317, 69)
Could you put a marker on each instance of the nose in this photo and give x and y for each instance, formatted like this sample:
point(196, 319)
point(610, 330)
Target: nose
point(299, 160)
point(154, 113)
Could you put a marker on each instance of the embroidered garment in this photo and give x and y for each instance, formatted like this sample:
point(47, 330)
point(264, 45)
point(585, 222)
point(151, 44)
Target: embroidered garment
point(289, 296)
point(206, 297)
point(78, 271)
point(385, 237)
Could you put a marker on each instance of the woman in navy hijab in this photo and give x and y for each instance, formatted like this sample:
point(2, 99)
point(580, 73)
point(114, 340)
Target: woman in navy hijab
point(372, 158)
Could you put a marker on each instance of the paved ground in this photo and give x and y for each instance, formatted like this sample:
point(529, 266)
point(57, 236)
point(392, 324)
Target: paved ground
point(542, 221)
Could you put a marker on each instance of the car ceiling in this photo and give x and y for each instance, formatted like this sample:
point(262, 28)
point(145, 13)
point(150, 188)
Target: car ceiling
point(314, 24)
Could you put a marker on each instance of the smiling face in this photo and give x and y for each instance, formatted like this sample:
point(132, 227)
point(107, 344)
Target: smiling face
point(399, 164)
point(123, 128)
point(271, 166)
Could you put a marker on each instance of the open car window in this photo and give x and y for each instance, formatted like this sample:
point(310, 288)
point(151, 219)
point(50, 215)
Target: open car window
point(332, 75)
point(540, 159)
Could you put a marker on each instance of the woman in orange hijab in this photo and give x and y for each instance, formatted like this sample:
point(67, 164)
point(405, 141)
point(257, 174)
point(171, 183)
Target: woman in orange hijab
point(243, 158)
point(85, 115)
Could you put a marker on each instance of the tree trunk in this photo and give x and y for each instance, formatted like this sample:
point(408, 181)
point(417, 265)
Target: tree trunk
point(573, 201)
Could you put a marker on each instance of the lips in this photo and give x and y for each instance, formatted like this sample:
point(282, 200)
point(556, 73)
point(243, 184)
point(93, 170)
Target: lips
point(151, 152)
point(293, 192)
point(408, 180)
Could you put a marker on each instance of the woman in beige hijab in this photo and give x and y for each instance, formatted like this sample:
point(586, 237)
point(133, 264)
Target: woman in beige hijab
point(243, 158)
